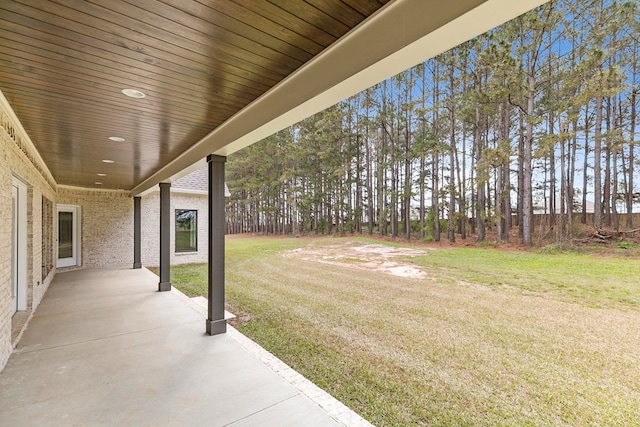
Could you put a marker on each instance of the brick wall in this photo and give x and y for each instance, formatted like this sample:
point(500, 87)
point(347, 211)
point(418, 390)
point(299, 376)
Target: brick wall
point(106, 226)
point(150, 206)
point(106, 222)
point(19, 158)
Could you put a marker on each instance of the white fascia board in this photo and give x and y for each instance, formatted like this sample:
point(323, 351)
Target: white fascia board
point(189, 191)
point(186, 191)
point(400, 35)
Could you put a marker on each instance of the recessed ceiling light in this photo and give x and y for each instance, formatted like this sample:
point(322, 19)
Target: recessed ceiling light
point(133, 93)
point(97, 183)
point(102, 174)
point(107, 161)
point(116, 139)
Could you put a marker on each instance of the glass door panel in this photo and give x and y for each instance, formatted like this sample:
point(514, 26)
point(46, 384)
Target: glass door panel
point(68, 236)
point(65, 235)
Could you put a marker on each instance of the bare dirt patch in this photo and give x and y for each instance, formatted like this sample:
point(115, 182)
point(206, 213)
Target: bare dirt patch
point(370, 257)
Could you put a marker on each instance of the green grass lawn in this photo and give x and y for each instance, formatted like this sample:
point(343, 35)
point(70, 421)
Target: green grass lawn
point(488, 338)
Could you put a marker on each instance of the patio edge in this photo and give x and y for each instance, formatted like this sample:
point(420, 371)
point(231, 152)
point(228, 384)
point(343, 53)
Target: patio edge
point(332, 406)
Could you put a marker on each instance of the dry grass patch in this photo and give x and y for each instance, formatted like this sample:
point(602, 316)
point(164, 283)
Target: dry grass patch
point(465, 345)
point(370, 257)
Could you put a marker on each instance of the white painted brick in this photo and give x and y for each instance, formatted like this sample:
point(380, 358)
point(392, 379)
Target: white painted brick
point(17, 160)
point(107, 226)
point(150, 207)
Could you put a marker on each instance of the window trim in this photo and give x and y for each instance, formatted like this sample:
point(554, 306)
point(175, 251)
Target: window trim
point(76, 259)
point(194, 231)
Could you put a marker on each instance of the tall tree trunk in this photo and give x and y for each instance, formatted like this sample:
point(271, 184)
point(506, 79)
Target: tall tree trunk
point(615, 221)
point(452, 155)
point(630, 169)
point(563, 185)
point(552, 175)
point(527, 199)
point(358, 202)
point(462, 170)
point(481, 173)
point(462, 213)
point(435, 169)
point(369, 165)
point(585, 169)
point(571, 173)
point(473, 189)
point(506, 171)
point(606, 193)
point(597, 159)
point(421, 195)
point(423, 169)
point(381, 174)
point(521, 136)
point(407, 156)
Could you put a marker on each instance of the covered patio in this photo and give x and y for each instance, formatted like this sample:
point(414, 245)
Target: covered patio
point(101, 103)
point(105, 348)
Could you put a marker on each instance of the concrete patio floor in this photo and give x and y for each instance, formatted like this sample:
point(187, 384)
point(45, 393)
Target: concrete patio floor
point(104, 348)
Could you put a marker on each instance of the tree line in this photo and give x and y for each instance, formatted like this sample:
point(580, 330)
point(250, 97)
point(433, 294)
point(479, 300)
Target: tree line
point(535, 116)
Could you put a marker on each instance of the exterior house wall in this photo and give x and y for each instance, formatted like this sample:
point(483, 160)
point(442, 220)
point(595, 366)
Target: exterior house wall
point(106, 226)
point(150, 244)
point(18, 158)
point(150, 229)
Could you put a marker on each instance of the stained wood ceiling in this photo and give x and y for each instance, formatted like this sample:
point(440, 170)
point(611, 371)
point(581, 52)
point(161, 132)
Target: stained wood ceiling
point(64, 63)
point(218, 74)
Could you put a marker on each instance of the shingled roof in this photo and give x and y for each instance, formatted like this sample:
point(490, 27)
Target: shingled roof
point(196, 182)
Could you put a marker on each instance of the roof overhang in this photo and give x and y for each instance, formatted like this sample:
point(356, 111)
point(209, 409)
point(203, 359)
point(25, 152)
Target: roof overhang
point(399, 36)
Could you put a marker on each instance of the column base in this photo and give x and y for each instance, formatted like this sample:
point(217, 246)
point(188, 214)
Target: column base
point(164, 286)
point(216, 327)
point(137, 265)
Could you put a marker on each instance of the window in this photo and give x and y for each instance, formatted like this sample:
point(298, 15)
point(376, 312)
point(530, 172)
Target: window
point(47, 237)
point(186, 230)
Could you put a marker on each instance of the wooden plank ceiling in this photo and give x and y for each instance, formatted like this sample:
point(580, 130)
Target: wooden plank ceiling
point(64, 64)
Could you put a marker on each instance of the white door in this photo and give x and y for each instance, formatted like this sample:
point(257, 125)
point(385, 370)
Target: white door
point(14, 249)
point(18, 246)
point(68, 236)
